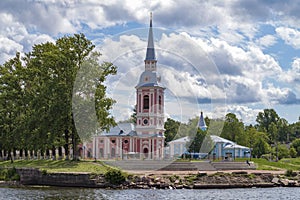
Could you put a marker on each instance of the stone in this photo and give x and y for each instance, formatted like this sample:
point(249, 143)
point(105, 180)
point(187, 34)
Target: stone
point(275, 180)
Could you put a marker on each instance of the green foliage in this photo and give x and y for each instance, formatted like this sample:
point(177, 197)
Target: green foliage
point(283, 151)
point(172, 128)
point(36, 93)
point(115, 176)
point(290, 173)
point(296, 145)
point(9, 174)
point(173, 178)
point(233, 129)
point(260, 145)
point(293, 152)
point(196, 142)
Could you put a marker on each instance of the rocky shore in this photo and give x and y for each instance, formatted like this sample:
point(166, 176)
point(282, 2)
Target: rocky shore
point(199, 180)
point(203, 180)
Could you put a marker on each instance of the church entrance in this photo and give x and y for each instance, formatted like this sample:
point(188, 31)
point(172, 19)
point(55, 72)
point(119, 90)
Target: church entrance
point(146, 151)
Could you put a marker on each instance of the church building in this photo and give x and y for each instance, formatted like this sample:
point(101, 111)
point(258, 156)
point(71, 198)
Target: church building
point(146, 140)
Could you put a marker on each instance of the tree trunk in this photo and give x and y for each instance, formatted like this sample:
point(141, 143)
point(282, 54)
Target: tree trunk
point(26, 154)
point(47, 153)
point(53, 152)
point(66, 146)
point(1, 154)
point(74, 134)
point(59, 153)
point(21, 154)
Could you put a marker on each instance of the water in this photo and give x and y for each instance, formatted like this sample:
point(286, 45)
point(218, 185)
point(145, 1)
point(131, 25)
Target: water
point(51, 193)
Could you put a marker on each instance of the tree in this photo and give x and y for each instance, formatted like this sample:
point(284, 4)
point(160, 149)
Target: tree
point(171, 126)
point(36, 93)
point(234, 129)
point(265, 118)
point(196, 142)
point(283, 151)
point(260, 145)
point(296, 145)
point(293, 152)
point(133, 116)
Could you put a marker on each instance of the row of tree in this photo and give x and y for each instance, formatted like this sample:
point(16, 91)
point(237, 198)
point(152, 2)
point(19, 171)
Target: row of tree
point(272, 136)
point(36, 94)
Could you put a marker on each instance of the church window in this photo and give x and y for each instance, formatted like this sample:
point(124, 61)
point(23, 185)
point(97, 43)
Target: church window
point(146, 102)
point(159, 102)
point(126, 141)
point(113, 141)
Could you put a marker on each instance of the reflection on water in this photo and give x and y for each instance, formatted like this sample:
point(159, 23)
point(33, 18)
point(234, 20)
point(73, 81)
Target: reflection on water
point(51, 193)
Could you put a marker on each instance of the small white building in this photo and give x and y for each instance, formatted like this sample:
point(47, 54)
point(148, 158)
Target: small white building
point(177, 147)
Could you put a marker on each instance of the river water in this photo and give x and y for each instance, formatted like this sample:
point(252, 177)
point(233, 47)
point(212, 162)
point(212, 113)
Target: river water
point(50, 193)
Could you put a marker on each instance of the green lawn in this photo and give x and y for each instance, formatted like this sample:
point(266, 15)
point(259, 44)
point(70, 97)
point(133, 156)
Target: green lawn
point(283, 164)
point(59, 165)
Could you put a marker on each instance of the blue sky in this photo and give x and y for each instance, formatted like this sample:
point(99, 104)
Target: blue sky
point(216, 56)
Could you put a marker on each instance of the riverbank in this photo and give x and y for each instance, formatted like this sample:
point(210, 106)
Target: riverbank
point(100, 175)
point(159, 180)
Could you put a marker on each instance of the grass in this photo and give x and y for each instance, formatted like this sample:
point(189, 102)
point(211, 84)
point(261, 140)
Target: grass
point(52, 166)
point(283, 164)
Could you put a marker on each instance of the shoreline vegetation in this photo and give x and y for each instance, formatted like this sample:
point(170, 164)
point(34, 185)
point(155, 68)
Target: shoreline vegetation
point(95, 174)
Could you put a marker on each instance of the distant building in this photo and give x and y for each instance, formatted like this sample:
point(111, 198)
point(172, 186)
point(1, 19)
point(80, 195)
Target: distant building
point(226, 149)
point(222, 148)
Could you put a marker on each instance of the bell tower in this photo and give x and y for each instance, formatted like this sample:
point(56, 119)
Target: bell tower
point(150, 103)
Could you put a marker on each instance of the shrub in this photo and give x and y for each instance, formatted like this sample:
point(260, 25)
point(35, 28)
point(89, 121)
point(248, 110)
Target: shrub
point(115, 176)
point(290, 173)
point(293, 152)
point(9, 174)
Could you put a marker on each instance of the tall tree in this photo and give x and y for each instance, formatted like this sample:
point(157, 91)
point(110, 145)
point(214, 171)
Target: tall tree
point(233, 129)
point(172, 128)
point(265, 118)
point(36, 95)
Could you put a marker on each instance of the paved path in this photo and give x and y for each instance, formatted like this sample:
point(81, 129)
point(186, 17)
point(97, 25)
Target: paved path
point(195, 172)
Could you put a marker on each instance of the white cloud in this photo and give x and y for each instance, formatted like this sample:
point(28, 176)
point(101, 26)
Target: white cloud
point(266, 41)
point(224, 31)
point(244, 113)
point(290, 36)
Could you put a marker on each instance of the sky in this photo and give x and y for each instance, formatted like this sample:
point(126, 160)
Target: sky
point(216, 56)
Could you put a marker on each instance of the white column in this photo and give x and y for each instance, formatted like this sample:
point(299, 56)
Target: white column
point(149, 148)
point(141, 148)
point(153, 152)
point(97, 148)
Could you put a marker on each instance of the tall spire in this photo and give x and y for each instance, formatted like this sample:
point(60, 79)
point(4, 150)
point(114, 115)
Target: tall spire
point(150, 55)
point(201, 123)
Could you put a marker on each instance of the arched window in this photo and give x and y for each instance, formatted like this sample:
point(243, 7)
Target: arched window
point(146, 102)
point(159, 102)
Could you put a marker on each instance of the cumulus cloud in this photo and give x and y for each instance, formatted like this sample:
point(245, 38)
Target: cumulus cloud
point(217, 52)
point(290, 36)
point(244, 113)
point(266, 41)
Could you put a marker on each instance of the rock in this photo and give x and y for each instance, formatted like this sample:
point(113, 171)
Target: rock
point(240, 172)
point(179, 186)
point(177, 181)
point(275, 180)
point(157, 179)
point(284, 182)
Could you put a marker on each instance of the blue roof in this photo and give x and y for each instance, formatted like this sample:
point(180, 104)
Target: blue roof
point(120, 129)
point(201, 123)
point(150, 54)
